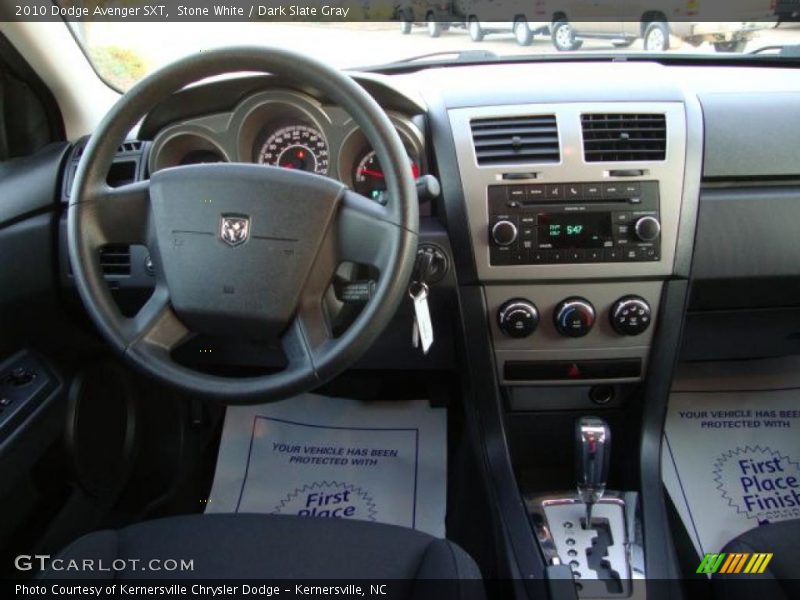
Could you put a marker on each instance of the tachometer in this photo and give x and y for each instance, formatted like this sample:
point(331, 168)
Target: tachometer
point(296, 147)
point(368, 178)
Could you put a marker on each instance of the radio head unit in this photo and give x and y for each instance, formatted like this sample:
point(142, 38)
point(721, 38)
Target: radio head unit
point(574, 223)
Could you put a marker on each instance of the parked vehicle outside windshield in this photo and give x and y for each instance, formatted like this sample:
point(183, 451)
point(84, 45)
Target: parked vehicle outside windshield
point(124, 52)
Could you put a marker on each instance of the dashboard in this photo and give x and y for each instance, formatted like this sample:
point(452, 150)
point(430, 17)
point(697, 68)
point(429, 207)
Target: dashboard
point(571, 234)
point(288, 129)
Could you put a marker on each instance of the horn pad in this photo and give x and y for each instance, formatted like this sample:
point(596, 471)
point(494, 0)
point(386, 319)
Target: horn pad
point(236, 242)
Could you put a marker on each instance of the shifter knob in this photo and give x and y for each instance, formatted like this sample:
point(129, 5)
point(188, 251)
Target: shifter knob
point(592, 453)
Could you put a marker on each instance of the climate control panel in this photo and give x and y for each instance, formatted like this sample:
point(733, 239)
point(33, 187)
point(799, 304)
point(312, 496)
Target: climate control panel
point(565, 332)
point(574, 317)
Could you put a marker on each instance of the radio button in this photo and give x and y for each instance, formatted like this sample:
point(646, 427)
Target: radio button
point(504, 233)
point(631, 189)
point(572, 190)
point(644, 253)
point(647, 229)
point(539, 257)
point(632, 253)
point(516, 192)
point(622, 217)
point(592, 191)
point(574, 256)
point(612, 190)
point(554, 191)
point(535, 192)
point(612, 254)
point(501, 256)
point(594, 255)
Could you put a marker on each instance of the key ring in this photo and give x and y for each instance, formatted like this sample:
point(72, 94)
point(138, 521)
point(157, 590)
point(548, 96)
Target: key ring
point(421, 290)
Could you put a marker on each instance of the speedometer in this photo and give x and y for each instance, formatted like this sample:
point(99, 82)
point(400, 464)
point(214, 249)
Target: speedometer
point(296, 147)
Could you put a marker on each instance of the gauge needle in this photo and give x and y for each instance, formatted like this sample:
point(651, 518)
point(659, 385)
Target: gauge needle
point(372, 173)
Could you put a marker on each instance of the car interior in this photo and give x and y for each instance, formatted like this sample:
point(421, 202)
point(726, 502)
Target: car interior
point(524, 326)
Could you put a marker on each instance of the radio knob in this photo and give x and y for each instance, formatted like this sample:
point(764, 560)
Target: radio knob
point(574, 317)
point(647, 229)
point(504, 233)
point(630, 315)
point(518, 318)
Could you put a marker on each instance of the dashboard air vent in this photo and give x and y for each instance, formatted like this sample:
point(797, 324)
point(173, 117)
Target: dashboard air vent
point(115, 259)
point(624, 137)
point(516, 140)
point(132, 146)
point(123, 148)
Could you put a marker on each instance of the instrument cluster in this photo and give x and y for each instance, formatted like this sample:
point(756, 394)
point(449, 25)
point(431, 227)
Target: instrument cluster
point(287, 129)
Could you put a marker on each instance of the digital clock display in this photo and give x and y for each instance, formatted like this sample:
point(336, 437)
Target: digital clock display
point(567, 230)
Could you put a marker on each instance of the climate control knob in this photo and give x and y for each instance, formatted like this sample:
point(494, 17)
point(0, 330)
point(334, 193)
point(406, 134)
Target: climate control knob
point(574, 317)
point(518, 318)
point(504, 233)
point(630, 315)
point(647, 229)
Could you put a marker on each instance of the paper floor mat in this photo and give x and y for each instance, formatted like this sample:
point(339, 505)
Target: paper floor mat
point(334, 457)
point(731, 456)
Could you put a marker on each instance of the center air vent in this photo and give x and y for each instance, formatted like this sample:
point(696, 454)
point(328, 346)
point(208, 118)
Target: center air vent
point(115, 259)
point(516, 140)
point(624, 137)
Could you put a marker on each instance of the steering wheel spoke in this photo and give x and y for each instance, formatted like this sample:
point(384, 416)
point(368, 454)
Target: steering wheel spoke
point(118, 215)
point(308, 335)
point(155, 328)
point(364, 228)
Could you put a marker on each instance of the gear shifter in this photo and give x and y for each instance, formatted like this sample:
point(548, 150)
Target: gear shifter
point(592, 453)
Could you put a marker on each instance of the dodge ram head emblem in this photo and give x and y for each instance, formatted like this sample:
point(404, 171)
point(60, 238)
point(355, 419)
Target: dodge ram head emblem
point(234, 229)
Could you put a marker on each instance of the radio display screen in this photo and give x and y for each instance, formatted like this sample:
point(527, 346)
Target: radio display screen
point(568, 230)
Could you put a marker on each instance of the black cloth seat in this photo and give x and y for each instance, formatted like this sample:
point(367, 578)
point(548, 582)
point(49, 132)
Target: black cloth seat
point(255, 546)
point(781, 579)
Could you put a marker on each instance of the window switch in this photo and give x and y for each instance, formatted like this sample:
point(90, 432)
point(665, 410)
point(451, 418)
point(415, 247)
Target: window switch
point(20, 376)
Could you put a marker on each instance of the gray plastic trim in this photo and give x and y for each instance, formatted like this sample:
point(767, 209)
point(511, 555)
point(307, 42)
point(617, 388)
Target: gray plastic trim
point(751, 134)
point(692, 175)
point(749, 233)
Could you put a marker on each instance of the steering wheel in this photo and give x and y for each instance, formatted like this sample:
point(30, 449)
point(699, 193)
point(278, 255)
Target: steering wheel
point(242, 249)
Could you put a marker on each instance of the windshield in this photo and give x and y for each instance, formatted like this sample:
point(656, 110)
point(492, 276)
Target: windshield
point(123, 51)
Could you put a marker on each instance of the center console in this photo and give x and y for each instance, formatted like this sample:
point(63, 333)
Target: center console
point(581, 216)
